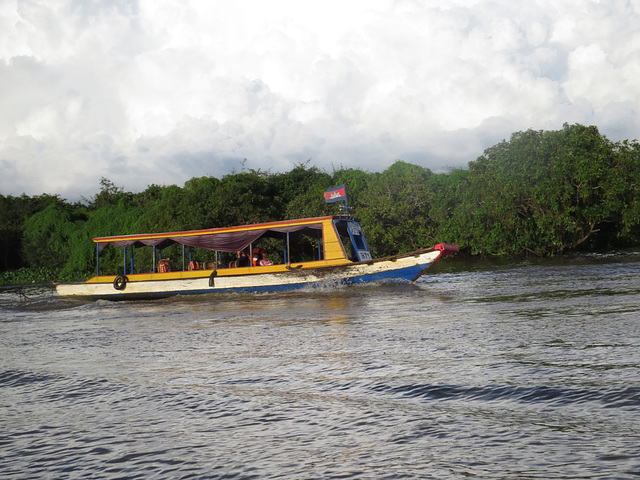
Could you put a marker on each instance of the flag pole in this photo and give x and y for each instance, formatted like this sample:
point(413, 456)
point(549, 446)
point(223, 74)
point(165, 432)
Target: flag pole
point(337, 194)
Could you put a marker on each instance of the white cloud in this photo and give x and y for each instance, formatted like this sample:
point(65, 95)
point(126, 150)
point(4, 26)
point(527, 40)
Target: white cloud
point(159, 91)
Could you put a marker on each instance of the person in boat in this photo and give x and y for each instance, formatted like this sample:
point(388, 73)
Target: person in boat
point(256, 257)
point(243, 260)
point(265, 261)
point(260, 257)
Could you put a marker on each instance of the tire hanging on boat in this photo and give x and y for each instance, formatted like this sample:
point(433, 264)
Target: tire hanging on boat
point(120, 282)
point(213, 275)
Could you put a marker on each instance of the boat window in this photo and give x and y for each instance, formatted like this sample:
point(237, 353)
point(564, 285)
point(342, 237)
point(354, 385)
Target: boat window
point(352, 237)
point(304, 245)
point(357, 236)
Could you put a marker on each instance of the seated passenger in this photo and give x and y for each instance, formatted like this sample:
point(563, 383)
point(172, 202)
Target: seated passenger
point(255, 259)
point(164, 265)
point(243, 260)
point(260, 257)
point(265, 261)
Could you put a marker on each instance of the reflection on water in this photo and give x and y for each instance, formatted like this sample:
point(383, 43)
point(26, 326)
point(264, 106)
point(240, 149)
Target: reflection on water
point(527, 370)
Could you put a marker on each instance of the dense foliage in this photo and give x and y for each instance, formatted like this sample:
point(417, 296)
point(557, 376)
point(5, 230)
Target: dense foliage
point(541, 193)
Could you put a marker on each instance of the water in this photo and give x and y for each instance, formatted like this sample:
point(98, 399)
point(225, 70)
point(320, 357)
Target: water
point(528, 370)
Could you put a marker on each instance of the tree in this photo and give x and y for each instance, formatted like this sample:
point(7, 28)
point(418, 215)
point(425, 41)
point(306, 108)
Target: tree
point(200, 196)
point(620, 190)
point(244, 198)
point(46, 237)
point(449, 191)
point(541, 192)
point(395, 209)
point(109, 194)
point(356, 183)
point(14, 211)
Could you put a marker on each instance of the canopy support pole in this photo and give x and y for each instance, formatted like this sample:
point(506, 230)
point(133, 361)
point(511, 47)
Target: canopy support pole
point(287, 253)
point(124, 261)
point(97, 259)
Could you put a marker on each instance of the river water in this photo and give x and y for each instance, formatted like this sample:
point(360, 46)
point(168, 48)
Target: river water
point(523, 370)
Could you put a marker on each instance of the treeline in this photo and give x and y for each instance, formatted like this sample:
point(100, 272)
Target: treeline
point(540, 193)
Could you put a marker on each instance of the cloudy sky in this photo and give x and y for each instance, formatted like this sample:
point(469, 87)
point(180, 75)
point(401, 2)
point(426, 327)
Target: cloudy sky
point(160, 91)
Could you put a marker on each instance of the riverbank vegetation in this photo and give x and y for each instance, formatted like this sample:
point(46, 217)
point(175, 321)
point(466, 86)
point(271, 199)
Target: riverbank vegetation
point(539, 193)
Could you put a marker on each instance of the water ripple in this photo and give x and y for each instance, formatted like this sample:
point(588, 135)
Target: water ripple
point(609, 398)
point(524, 371)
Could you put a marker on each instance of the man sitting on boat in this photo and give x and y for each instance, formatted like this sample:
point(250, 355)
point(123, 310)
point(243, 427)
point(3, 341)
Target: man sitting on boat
point(243, 260)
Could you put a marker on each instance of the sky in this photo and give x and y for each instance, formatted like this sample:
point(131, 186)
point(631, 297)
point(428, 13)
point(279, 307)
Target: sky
point(146, 92)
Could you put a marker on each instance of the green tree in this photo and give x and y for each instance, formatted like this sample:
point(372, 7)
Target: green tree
point(621, 188)
point(109, 194)
point(541, 192)
point(356, 183)
point(200, 196)
point(169, 212)
point(244, 198)
point(395, 209)
point(46, 237)
point(14, 211)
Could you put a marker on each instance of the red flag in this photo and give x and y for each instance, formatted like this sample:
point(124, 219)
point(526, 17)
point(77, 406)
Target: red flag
point(335, 194)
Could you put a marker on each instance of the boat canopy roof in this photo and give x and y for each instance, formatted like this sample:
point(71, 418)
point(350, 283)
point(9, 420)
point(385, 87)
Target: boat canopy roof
point(226, 239)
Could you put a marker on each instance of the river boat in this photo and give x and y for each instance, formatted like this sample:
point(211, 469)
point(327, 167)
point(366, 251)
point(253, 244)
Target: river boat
point(321, 251)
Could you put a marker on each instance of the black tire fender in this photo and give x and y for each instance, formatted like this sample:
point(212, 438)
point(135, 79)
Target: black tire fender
point(120, 282)
point(213, 275)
